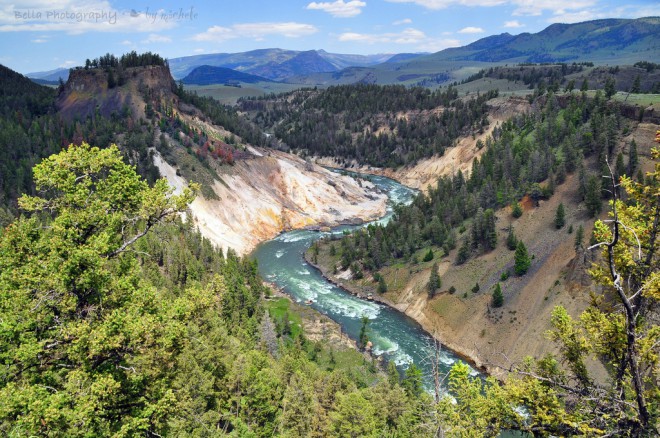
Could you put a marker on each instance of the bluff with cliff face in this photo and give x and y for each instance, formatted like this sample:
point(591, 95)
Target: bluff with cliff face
point(250, 194)
point(108, 91)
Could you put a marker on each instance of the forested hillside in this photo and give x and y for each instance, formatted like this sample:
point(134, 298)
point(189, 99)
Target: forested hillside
point(528, 155)
point(384, 126)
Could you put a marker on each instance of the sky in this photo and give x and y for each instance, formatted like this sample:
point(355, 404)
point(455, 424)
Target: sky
point(39, 35)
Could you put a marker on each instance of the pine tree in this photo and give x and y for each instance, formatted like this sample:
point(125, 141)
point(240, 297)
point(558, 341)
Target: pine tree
point(585, 85)
point(619, 167)
point(382, 286)
point(363, 338)
point(637, 85)
point(516, 210)
point(592, 196)
point(609, 88)
point(434, 281)
point(522, 260)
point(511, 240)
point(579, 237)
point(498, 297)
point(428, 256)
point(560, 216)
point(633, 159)
point(463, 252)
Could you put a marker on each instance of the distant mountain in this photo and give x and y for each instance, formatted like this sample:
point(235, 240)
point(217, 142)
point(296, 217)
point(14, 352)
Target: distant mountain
point(303, 63)
point(342, 61)
point(208, 74)
point(50, 76)
point(600, 41)
point(401, 57)
point(276, 63)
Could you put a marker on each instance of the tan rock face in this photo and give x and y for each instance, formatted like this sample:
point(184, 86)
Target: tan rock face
point(275, 192)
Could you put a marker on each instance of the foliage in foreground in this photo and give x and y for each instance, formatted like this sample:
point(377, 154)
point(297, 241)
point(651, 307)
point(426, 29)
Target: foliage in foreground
point(116, 324)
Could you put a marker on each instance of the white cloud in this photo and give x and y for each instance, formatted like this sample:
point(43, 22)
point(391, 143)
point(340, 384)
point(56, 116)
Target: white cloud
point(255, 30)
point(536, 7)
point(39, 40)
point(199, 51)
point(442, 4)
point(625, 11)
point(339, 8)
point(127, 43)
point(523, 7)
point(155, 38)
point(400, 22)
point(513, 24)
point(68, 64)
point(78, 16)
point(408, 36)
point(471, 29)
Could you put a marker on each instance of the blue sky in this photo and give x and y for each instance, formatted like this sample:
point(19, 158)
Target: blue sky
point(40, 35)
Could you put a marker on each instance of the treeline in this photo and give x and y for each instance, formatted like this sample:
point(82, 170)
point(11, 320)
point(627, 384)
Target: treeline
point(127, 60)
point(639, 78)
point(31, 130)
point(227, 117)
point(528, 155)
point(364, 122)
point(529, 74)
point(165, 336)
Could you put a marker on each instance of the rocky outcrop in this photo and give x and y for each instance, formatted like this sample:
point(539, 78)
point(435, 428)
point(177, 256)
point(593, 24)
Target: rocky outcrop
point(274, 192)
point(88, 91)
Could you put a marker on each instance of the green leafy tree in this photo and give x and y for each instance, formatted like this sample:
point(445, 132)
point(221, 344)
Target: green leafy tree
point(498, 297)
point(74, 312)
point(522, 261)
point(560, 216)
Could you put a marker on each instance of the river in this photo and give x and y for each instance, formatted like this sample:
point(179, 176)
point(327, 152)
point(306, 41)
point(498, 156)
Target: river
point(393, 334)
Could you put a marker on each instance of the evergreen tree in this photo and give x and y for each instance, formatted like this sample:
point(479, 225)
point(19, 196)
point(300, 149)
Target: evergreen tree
point(585, 85)
point(633, 159)
point(463, 252)
point(637, 85)
point(412, 381)
point(592, 197)
point(363, 338)
point(393, 375)
point(498, 297)
point(428, 256)
point(579, 237)
point(516, 210)
point(560, 216)
point(382, 286)
point(511, 240)
point(434, 281)
point(522, 261)
point(619, 168)
point(609, 88)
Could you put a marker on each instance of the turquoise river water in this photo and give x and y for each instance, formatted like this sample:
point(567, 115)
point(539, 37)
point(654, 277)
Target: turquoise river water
point(394, 335)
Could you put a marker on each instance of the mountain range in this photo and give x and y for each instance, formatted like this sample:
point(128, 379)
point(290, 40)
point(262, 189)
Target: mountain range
point(607, 41)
